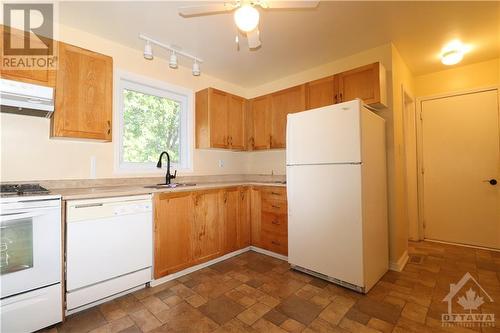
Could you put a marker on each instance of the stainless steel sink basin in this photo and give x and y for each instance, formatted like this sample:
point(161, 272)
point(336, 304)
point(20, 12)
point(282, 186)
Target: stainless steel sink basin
point(173, 185)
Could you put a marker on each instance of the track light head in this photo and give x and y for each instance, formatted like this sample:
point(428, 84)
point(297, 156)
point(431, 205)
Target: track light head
point(196, 68)
point(148, 51)
point(173, 60)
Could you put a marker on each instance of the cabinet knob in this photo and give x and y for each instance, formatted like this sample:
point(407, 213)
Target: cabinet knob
point(109, 127)
point(276, 222)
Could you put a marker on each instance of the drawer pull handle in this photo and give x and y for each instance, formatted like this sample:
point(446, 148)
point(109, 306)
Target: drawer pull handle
point(275, 243)
point(274, 206)
point(276, 222)
point(275, 193)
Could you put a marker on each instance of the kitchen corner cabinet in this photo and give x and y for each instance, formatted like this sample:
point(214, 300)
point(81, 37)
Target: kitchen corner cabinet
point(220, 120)
point(284, 102)
point(173, 223)
point(260, 123)
point(235, 210)
point(84, 91)
point(366, 82)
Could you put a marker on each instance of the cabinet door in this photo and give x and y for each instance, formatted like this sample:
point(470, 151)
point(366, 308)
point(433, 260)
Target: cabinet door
point(173, 220)
point(206, 231)
point(362, 82)
point(320, 92)
point(236, 122)
point(261, 123)
point(230, 199)
point(283, 102)
point(83, 94)
point(42, 76)
point(244, 228)
point(255, 215)
point(218, 109)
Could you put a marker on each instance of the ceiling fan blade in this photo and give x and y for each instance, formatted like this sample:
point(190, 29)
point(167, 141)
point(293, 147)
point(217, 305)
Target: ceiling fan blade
point(289, 4)
point(206, 9)
point(253, 38)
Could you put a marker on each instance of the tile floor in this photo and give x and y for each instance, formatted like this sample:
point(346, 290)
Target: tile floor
point(256, 293)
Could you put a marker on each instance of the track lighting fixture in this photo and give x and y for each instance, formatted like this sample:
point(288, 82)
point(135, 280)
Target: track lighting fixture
point(196, 68)
point(174, 52)
point(148, 51)
point(172, 63)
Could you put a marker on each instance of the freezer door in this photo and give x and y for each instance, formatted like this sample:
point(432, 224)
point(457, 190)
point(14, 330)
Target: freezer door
point(325, 220)
point(326, 135)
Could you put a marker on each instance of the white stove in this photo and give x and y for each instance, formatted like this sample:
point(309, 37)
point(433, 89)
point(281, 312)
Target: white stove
point(30, 259)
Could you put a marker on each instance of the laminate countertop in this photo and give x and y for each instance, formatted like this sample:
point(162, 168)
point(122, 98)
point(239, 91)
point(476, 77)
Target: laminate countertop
point(124, 190)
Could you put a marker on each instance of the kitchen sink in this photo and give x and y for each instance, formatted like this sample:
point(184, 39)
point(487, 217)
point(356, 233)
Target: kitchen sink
point(173, 185)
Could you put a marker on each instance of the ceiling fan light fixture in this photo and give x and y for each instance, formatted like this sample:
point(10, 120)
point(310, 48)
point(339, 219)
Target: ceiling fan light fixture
point(196, 68)
point(172, 63)
point(148, 51)
point(246, 18)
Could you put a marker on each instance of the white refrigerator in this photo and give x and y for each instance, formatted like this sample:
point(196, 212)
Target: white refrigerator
point(337, 197)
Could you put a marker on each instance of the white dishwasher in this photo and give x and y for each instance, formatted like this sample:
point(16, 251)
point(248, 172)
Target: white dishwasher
point(109, 248)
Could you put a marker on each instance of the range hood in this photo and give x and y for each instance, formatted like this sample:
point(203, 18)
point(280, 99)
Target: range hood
point(26, 98)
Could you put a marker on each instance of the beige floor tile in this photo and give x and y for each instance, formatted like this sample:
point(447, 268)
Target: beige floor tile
point(114, 326)
point(415, 312)
point(264, 326)
point(154, 304)
point(145, 320)
point(292, 326)
point(253, 313)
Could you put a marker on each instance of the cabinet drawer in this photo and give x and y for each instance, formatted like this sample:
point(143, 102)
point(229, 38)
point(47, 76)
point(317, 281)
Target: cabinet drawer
point(274, 193)
point(276, 223)
point(274, 206)
point(275, 242)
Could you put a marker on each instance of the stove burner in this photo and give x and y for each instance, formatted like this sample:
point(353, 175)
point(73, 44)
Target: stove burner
point(22, 189)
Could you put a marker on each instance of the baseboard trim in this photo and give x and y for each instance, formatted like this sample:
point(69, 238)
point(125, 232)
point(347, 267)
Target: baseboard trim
point(268, 253)
point(192, 269)
point(399, 265)
point(463, 245)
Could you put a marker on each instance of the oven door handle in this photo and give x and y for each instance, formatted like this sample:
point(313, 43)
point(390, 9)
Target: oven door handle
point(23, 215)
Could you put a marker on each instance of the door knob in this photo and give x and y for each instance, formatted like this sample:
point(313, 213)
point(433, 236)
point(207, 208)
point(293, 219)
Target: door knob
point(492, 181)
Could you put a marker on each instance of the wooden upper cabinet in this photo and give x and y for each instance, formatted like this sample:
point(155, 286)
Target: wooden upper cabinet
point(206, 233)
point(42, 76)
point(283, 102)
point(320, 93)
point(260, 123)
point(84, 91)
point(367, 83)
point(236, 122)
point(172, 232)
point(220, 120)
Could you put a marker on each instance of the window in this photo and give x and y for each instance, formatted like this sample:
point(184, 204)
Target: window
point(153, 117)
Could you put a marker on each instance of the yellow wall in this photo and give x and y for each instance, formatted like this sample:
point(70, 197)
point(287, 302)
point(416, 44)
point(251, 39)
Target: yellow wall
point(398, 215)
point(478, 75)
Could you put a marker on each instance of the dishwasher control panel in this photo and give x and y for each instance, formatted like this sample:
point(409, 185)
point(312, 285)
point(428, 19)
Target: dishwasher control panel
point(92, 209)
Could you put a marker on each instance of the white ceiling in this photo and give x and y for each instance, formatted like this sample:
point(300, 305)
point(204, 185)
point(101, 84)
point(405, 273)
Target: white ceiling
point(295, 40)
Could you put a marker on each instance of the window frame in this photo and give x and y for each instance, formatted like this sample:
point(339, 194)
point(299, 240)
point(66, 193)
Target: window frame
point(125, 80)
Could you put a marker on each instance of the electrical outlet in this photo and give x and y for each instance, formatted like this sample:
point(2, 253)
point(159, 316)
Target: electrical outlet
point(221, 163)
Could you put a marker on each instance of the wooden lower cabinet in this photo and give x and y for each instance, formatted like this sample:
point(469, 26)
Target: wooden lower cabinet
point(173, 222)
point(206, 233)
point(194, 227)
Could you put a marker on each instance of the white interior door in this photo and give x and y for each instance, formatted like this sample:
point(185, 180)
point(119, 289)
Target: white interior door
point(460, 148)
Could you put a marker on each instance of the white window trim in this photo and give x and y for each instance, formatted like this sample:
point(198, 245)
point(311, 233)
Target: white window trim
point(124, 79)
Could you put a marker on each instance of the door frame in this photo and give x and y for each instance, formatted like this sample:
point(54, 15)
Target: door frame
point(420, 168)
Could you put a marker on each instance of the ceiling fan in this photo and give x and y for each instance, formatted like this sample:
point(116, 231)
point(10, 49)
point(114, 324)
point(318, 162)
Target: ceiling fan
point(246, 15)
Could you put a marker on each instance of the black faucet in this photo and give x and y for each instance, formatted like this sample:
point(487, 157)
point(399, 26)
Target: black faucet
point(168, 176)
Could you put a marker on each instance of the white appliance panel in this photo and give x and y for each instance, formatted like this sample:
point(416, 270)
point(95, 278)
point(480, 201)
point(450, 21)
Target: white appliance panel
point(31, 311)
point(326, 135)
point(38, 230)
point(114, 239)
point(325, 220)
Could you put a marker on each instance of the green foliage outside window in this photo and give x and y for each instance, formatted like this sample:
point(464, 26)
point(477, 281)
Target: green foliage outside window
point(151, 124)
